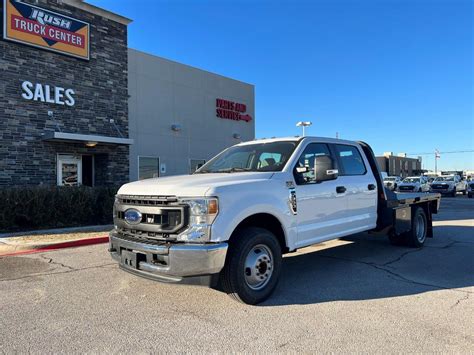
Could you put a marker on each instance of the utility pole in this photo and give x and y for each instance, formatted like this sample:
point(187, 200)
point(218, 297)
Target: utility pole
point(337, 135)
point(304, 124)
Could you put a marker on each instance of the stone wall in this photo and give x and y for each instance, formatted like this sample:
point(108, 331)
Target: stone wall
point(100, 86)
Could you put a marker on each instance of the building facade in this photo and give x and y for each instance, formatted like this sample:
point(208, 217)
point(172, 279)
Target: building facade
point(64, 113)
point(77, 107)
point(399, 165)
point(181, 116)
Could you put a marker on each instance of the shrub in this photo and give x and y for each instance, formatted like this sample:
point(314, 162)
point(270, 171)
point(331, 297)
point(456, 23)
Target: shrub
point(26, 208)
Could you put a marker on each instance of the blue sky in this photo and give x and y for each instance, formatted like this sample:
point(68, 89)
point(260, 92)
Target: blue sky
point(395, 73)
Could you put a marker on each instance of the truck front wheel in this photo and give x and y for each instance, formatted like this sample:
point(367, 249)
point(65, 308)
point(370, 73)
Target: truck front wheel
point(253, 265)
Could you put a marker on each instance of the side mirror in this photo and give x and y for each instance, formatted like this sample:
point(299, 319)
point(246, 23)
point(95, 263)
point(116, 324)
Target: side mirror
point(324, 169)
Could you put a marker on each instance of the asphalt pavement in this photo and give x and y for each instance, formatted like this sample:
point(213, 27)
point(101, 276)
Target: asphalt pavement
point(359, 294)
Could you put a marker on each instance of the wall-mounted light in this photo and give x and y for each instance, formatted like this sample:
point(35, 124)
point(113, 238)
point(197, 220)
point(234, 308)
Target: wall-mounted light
point(91, 144)
point(176, 127)
point(236, 136)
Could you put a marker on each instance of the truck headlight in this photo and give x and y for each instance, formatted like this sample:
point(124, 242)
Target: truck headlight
point(202, 213)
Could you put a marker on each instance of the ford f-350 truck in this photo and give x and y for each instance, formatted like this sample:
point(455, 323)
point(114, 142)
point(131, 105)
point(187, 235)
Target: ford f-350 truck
point(232, 220)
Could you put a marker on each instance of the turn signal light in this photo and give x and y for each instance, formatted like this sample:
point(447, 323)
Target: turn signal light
point(212, 207)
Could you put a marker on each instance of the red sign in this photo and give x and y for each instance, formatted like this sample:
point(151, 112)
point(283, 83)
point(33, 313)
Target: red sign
point(231, 110)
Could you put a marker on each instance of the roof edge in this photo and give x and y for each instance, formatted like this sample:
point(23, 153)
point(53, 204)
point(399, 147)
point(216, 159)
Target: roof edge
point(81, 4)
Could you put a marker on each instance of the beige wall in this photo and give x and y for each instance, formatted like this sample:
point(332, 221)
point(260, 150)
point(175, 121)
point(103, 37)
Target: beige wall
point(163, 93)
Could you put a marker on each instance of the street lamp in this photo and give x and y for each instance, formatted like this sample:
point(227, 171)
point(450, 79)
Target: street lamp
point(304, 124)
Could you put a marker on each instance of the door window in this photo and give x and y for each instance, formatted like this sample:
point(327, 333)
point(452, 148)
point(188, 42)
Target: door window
point(148, 167)
point(306, 160)
point(69, 170)
point(350, 160)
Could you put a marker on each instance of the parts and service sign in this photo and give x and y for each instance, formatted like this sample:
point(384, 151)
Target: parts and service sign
point(38, 27)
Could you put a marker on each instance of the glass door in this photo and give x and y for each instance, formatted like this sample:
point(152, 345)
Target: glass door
point(69, 170)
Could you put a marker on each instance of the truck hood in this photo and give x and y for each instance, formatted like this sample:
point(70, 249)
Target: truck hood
point(189, 185)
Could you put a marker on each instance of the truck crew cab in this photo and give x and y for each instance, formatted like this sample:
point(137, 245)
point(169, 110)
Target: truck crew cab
point(232, 220)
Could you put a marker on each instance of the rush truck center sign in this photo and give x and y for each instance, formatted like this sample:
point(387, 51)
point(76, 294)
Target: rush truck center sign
point(232, 110)
point(38, 27)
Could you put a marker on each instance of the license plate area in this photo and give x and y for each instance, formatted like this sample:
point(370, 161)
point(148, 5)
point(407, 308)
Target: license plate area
point(129, 259)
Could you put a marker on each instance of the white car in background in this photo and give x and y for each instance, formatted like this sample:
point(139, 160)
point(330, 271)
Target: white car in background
point(392, 182)
point(414, 184)
point(449, 184)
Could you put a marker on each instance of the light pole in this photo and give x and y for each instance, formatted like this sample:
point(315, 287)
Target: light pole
point(304, 124)
point(437, 156)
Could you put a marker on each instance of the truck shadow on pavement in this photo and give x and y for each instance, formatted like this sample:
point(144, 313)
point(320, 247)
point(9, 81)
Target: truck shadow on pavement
point(364, 267)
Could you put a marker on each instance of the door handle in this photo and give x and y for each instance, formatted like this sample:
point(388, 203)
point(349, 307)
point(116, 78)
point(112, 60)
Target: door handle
point(340, 189)
point(371, 187)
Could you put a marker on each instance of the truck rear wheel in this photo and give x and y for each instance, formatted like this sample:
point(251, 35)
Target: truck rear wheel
point(253, 265)
point(416, 237)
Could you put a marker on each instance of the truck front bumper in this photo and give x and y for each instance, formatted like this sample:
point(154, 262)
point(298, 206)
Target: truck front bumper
point(168, 262)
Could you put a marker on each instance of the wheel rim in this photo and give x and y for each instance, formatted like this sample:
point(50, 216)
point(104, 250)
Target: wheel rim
point(258, 268)
point(420, 228)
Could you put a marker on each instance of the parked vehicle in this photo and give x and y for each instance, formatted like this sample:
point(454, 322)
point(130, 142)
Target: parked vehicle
point(470, 189)
point(449, 184)
point(231, 221)
point(414, 184)
point(392, 182)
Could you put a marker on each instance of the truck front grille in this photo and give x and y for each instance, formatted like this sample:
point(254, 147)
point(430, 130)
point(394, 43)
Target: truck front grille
point(439, 187)
point(406, 188)
point(161, 216)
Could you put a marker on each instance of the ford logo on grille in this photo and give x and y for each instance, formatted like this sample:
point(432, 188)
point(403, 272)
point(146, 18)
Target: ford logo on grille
point(132, 216)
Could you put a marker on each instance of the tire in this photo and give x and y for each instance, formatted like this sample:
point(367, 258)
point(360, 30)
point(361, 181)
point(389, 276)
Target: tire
point(252, 252)
point(469, 195)
point(416, 237)
point(453, 194)
point(464, 192)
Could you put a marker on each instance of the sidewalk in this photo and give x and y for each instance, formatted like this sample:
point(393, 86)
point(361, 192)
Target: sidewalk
point(44, 240)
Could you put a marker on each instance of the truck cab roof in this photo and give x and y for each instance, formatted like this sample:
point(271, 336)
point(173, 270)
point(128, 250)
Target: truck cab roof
point(297, 139)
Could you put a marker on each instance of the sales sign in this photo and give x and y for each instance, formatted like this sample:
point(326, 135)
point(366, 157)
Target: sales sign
point(38, 27)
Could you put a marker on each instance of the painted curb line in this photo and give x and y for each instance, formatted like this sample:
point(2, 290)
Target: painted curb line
point(50, 247)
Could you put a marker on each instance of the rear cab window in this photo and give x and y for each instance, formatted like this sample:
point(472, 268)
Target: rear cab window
point(350, 160)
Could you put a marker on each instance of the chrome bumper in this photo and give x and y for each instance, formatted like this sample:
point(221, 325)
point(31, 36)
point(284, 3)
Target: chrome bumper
point(168, 263)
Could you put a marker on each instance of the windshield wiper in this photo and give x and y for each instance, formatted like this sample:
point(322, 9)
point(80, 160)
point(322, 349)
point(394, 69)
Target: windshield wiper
point(232, 170)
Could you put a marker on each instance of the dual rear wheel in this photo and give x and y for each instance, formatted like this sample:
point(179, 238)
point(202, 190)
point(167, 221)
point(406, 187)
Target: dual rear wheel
point(416, 236)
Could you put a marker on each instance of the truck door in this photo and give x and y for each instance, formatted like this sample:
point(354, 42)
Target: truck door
point(361, 187)
point(321, 208)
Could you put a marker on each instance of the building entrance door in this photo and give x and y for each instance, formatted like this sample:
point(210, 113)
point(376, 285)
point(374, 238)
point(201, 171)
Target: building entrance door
point(69, 170)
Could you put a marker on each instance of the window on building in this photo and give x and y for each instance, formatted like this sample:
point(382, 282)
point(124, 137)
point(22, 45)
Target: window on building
point(148, 167)
point(69, 170)
point(196, 164)
point(351, 160)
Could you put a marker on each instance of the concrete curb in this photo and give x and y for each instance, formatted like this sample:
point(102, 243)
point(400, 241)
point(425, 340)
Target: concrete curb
point(40, 248)
point(99, 228)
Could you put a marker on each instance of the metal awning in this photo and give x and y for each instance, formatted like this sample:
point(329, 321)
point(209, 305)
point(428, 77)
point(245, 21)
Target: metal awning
point(84, 138)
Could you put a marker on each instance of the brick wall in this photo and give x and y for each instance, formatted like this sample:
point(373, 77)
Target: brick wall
point(101, 94)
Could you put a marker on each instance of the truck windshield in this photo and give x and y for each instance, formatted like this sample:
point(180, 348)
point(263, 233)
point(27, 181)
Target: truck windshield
point(270, 156)
point(445, 178)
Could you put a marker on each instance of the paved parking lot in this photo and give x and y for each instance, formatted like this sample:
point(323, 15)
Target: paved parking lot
point(357, 294)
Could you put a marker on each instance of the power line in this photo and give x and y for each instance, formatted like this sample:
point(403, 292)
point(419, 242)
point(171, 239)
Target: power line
point(450, 152)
